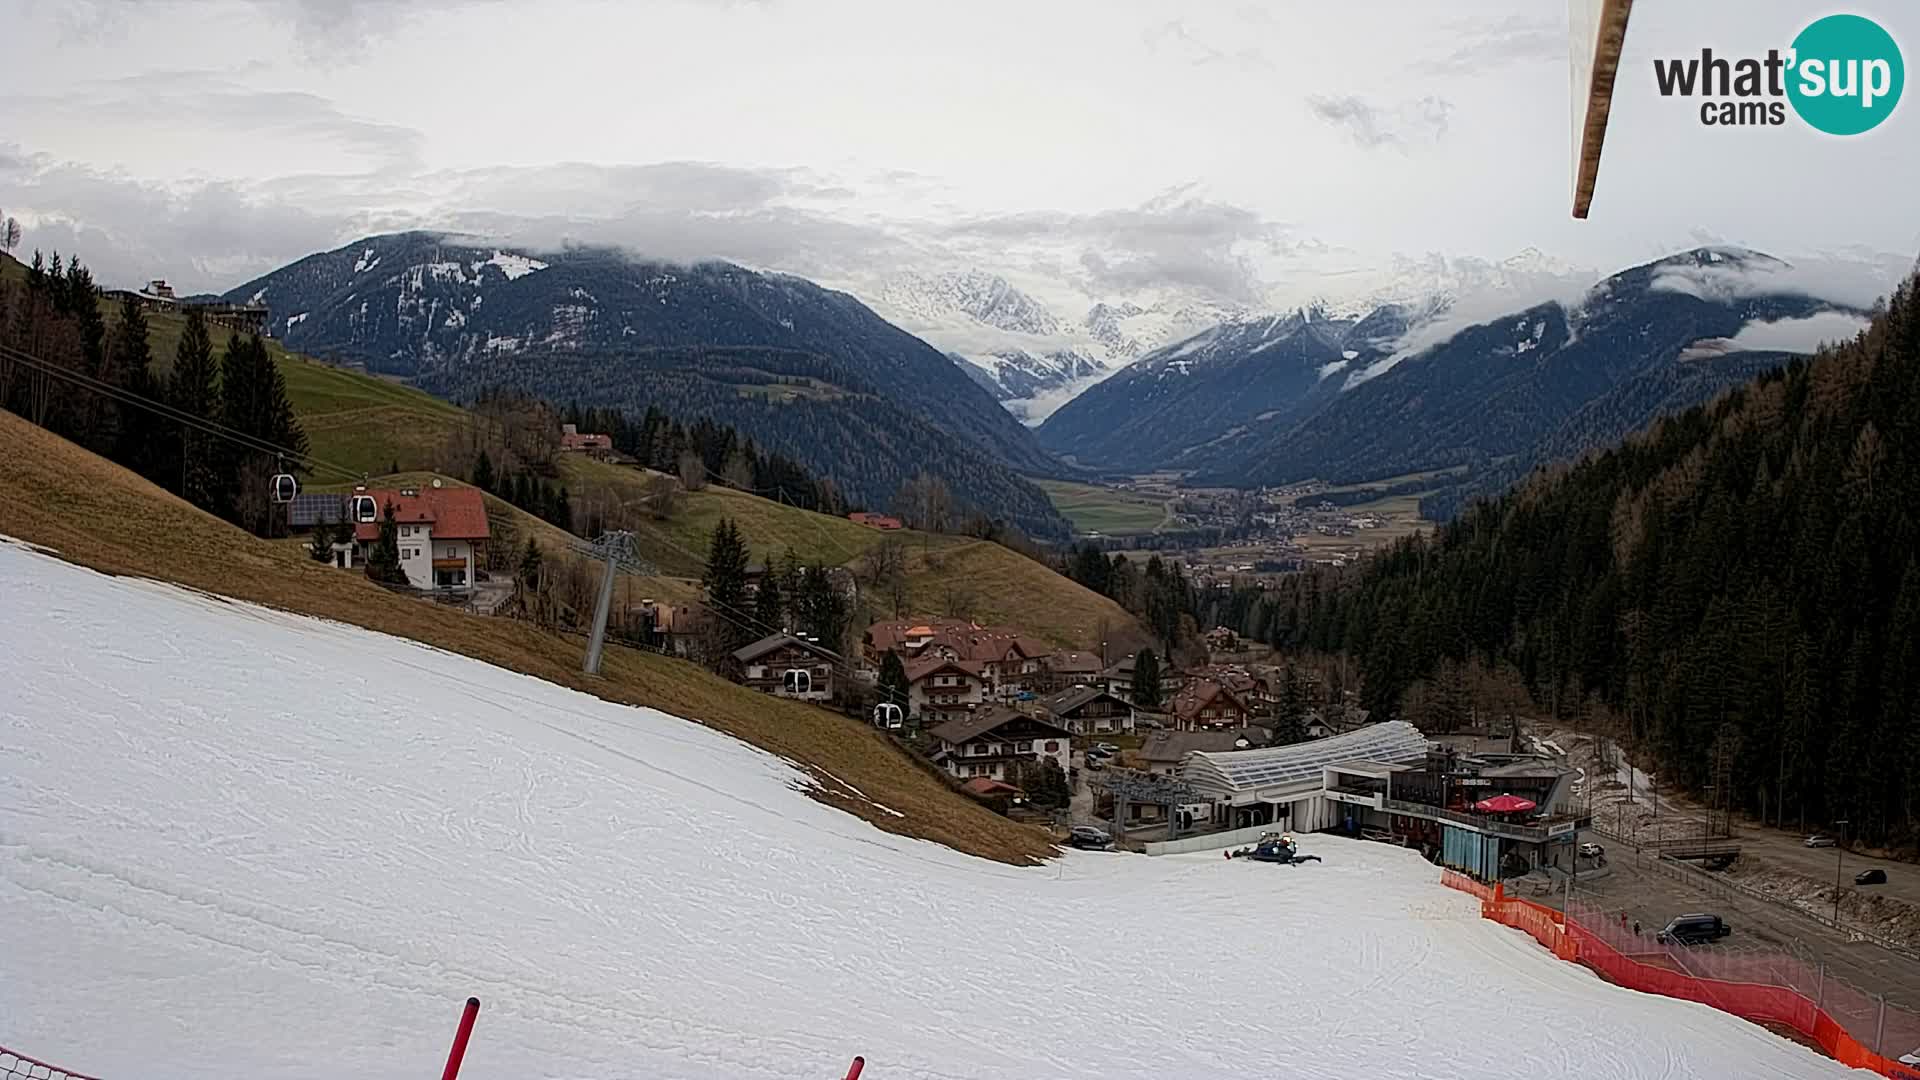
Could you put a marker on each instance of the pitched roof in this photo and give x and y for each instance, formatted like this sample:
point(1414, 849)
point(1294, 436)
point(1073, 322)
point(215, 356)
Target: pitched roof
point(965, 640)
point(1171, 746)
point(987, 786)
point(1073, 663)
point(454, 513)
point(773, 642)
point(1199, 694)
point(927, 665)
point(1068, 700)
point(981, 721)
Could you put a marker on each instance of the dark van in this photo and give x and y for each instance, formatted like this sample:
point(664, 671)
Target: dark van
point(1693, 930)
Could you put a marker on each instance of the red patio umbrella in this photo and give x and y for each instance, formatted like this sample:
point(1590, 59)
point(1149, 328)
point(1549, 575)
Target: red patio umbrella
point(1504, 804)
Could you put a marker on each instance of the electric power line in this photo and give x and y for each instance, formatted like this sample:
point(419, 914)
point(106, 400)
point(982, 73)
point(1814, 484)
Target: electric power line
point(162, 409)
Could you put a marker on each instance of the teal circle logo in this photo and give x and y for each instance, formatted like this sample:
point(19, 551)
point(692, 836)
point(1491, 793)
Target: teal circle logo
point(1846, 76)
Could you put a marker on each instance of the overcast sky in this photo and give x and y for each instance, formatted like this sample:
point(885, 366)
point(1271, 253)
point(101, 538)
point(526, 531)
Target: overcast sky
point(1254, 153)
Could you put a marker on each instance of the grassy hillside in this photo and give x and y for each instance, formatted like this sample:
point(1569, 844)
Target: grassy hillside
point(368, 424)
point(96, 514)
point(1093, 508)
point(679, 544)
point(944, 573)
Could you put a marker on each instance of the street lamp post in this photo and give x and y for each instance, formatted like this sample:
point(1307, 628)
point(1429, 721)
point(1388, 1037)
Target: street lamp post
point(1839, 856)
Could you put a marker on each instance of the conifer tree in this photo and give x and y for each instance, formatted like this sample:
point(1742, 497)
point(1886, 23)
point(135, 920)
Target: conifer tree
point(893, 679)
point(193, 389)
point(1146, 680)
point(483, 473)
point(383, 561)
point(769, 606)
point(726, 582)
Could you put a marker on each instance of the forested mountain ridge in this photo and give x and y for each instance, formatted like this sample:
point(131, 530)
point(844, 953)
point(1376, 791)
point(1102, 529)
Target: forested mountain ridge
point(1494, 393)
point(447, 310)
point(1741, 584)
point(790, 403)
point(1170, 406)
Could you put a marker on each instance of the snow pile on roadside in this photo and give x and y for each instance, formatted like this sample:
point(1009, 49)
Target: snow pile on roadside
point(237, 843)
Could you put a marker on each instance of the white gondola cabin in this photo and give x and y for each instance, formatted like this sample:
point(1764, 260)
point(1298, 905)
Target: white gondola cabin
point(284, 487)
point(889, 716)
point(798, 682)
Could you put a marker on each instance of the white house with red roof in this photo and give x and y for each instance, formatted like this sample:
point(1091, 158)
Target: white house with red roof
point(442, 532)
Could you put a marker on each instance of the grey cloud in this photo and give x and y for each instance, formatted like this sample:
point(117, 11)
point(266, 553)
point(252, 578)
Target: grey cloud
point(1853, 278)
point(164, 98)
point(1173, 241)
point(1373, 126)
point(203, 235)
point(212, 235)
point(1493, 41)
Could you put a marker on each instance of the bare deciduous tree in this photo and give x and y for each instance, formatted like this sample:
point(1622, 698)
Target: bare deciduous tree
point(693, 471)
point(9, 234)
point(663, 496)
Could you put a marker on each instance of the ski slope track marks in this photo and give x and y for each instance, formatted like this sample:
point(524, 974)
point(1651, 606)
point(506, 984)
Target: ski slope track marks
point(237, 843)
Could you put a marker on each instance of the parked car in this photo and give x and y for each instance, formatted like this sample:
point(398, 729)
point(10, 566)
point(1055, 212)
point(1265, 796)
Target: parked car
point(1821, 840)
point(1089, 838)
point(1592, 850)
point(1096, 763)
point(1097, 752)
point(1872, 875)
point(1106, 748)
point(1911, 1059)
point(1693, 930)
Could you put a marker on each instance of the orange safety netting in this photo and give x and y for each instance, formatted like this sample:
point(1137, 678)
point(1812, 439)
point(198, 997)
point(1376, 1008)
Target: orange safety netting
point(1768, 988)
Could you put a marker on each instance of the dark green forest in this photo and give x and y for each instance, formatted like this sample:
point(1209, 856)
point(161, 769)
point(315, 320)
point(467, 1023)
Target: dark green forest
point(64, 367)
point(805, 409)
point(1739, 586)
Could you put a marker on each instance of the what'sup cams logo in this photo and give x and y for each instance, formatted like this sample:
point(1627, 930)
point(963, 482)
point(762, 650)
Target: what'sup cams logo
point(1842, 75)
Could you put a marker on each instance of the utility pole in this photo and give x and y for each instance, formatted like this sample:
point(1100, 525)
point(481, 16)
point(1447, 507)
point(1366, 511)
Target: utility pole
point(1839, 857)
point(616, 550)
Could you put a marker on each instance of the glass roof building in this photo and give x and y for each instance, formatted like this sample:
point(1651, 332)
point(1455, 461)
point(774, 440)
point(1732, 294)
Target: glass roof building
point(1243, 776)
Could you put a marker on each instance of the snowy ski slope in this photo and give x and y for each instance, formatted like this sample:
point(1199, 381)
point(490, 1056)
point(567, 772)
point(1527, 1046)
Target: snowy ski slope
point(241, 844)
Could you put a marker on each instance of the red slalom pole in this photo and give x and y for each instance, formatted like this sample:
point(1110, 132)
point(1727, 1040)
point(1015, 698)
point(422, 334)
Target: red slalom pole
point(859, 1063)
point(460, 1039)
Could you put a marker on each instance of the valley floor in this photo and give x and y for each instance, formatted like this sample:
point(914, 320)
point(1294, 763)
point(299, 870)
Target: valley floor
point(236, 842)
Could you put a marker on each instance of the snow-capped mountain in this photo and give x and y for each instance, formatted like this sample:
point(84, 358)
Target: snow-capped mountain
point(1175, 400)
point(595, 326)
point(1032, 354)
point(1499, 395)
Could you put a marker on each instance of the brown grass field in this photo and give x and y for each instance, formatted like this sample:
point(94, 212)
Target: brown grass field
point(96, 514)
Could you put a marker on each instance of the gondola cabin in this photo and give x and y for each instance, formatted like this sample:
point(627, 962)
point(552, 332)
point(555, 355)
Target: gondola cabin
point(284, 487)
point(889, 716)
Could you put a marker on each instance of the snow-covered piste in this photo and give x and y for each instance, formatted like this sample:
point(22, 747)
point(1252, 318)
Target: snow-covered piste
point(238, 843)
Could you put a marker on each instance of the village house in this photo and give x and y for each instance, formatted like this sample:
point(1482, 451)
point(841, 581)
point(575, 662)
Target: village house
point(991, 740)
point(573, 441)
point(789, 666)
point(1008, 661)
point(1221, 639)
point(939, 688)
point(1205, 705)
point(1089, 710)
point(675, 629)
point(1250, 690)
point(874, 521)
point(1066, 669)
point(1165, 750)
point(1118, 679)
point(442, 532)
